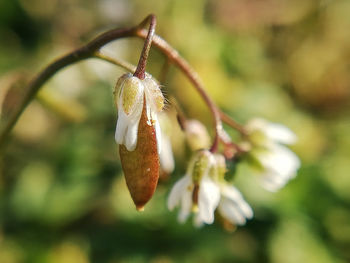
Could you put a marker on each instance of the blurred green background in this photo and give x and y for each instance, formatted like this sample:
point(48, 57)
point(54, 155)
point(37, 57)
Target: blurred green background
point(63, 198)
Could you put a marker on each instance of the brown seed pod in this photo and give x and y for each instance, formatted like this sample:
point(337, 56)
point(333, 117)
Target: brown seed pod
point(141, 166)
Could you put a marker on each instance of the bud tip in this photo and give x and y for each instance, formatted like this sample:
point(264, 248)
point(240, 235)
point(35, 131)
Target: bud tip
point(140, 208)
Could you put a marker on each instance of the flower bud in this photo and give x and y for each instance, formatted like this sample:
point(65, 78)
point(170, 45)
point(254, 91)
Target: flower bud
point(138, 133)
point(129, 97)
point(197, 135)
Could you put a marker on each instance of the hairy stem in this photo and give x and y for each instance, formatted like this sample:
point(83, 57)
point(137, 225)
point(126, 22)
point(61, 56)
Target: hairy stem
point(141, 66)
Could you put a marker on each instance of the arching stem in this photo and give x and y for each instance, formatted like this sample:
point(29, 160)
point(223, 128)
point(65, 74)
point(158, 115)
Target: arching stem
point(90, 50)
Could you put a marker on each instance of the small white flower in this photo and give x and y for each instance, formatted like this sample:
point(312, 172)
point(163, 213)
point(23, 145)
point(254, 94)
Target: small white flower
point(231, 206)
point(278, 162)
point(203, 189)
point(131, 94)
point(196, 191)
point(273, 131)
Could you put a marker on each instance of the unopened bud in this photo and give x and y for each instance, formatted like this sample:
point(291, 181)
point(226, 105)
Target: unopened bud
point(138, 133)
point(197, 135)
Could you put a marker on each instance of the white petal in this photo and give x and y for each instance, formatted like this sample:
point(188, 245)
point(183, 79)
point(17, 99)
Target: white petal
point(229, 211)
point(133, 127)
point(158, 134)
point(186, 205)
point(208, 199)
point(233, 195)
point(281, 164)
point(271, 177)
point(166, 157)
point(280, 133)
point(230, 192)
point(131, 135)
point(281, 160)
point(274, 131)
point(176, 192)
point(121, 128)
point(273, 182)
point(127, 125)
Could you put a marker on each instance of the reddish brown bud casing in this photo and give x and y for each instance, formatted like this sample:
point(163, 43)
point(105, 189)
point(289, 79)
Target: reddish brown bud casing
point(141, 166)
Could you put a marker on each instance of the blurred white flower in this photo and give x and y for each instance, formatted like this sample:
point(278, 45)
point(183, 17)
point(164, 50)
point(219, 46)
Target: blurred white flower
point(197, 135)
point(166, 157)
point(196, 191)
point(279, 164)
point(232, 206)
point(130, 95)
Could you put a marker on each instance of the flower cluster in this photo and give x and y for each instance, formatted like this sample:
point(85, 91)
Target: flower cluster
point(203, 190)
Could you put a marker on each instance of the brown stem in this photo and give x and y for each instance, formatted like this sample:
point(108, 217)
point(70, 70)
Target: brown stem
point(180, 115)
point(89, 50)
point(141, 66)
point(183, 65)
point(229, 121)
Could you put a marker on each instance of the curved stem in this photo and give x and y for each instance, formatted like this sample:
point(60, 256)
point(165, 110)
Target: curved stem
point(229, 121)
point(141, 66)
point(164, 71)
point(89, 50)
point(183, 65)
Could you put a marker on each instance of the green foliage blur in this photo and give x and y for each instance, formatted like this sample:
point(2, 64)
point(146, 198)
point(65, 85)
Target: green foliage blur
point(63, 198)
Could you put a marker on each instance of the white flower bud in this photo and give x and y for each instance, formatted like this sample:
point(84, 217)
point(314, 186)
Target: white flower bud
point(129, 97)
point(130, 94)
point(197, 135)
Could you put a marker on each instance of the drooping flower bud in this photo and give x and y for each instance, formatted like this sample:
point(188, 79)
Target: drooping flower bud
point(138, 133)
point(130, 96)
